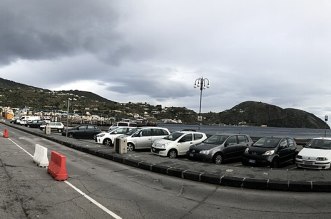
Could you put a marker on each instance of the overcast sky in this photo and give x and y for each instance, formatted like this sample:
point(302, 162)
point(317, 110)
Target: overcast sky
point(278, 52)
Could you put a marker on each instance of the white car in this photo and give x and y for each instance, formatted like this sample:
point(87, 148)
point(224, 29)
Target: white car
point(143, 137)
point(57, 126)
point(177, 143)
point(315, 155)
point(108, 138)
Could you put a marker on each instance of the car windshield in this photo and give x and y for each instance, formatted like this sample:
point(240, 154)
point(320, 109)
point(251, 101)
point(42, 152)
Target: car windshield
point(271, 142)
point(173, 136)
point(319, 144)
point(216, 139)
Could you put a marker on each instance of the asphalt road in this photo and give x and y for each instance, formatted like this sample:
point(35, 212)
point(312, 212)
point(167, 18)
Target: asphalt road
point(110, 189)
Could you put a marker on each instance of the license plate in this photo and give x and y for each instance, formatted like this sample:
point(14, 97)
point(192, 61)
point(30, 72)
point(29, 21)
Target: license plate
point(308, 162)
point(252, 161)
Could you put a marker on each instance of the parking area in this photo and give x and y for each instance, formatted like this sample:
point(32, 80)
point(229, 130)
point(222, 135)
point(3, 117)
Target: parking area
point(147, 154)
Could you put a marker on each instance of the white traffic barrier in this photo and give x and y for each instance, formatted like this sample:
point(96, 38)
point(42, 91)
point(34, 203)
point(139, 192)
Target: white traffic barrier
point(40, 156)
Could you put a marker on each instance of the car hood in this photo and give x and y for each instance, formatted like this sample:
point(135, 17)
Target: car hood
point(162, 141)
point(203, 146)
point(312, 152)
point(260, 149)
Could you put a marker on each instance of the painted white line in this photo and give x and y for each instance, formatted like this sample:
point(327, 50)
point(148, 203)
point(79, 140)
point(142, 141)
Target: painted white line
point(93, 201)
point(79, 191)
point(20, 147)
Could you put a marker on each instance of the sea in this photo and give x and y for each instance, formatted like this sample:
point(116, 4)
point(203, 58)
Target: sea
point(253, 131)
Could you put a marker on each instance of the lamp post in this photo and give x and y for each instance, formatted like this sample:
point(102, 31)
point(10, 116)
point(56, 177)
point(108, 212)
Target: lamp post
point(68, 103)
point(201, 83)
point(326, 120)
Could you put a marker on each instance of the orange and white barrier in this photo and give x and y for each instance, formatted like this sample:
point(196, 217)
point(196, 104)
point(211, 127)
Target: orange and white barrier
point(40, 156)
point(57, 166)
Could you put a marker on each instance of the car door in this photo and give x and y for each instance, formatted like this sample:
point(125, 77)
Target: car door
point(242, 145)
point(80, 132)
point(184, 143)
point(230, 147)
point(144, 140)
point(284, 151)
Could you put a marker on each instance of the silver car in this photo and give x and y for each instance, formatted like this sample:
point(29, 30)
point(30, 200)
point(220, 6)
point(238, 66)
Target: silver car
point(144, 137)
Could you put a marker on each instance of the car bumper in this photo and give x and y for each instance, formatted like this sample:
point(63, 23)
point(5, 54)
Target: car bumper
point(318, 165)
point(256, 160)
point(159, 151)
point(198, 156)
point(99, 140)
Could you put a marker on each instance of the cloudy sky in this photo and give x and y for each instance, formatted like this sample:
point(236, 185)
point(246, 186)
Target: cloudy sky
point(278, 52)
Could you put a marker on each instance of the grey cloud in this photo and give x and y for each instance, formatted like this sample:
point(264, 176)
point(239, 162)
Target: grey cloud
point(46, 29)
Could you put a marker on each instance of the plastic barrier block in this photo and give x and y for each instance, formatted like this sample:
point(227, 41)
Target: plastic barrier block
point(57, 166)
point(40, 156)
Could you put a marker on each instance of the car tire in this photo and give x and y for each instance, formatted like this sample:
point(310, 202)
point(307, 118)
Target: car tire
point(107, 142)
point(172, 154)
point(130, 147)
point(274, 163)
point(218, 159)
point(70, 135)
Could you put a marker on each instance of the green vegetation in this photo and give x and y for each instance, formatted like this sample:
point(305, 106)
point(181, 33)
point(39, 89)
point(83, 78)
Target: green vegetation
point(18, 95)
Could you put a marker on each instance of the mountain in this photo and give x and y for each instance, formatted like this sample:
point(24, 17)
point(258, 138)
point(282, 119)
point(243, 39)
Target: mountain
point(259, 114)
point(18, 95)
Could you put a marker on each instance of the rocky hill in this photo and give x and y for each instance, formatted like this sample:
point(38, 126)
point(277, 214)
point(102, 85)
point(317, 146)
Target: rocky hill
point(259, 114)
point(18, 95)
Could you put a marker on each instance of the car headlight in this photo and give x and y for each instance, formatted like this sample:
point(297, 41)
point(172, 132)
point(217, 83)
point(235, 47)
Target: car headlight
point(204, 152)
point(268, 153)
point(299, 157)
point(100, 135)
point(246, 151)
point(321, 158)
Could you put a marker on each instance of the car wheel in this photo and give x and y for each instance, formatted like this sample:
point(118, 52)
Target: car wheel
point(130, 147)
point(70, 135)
point(172, 154)
point(218, 159)
point(274, 163)
point(107, 142)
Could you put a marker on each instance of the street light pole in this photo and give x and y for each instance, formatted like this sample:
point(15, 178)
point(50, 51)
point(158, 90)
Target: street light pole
point(201, 83)
point(67, 117)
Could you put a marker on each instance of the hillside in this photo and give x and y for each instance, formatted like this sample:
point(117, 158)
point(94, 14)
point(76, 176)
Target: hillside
point(18, 95)
point(258, 113)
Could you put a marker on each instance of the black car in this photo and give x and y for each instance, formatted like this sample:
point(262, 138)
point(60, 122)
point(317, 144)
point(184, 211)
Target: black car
point(271, 151)
point(34, 123)
point(220, 147)
point(82, 131)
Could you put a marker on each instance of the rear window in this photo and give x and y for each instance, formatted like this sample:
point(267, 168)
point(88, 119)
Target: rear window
point(242, 139)
point(198, 136)
point(158, 132)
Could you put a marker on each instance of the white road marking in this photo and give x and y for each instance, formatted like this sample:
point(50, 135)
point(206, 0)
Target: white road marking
point(79, 191)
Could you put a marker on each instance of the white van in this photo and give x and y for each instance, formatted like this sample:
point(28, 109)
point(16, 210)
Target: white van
point(24, 119)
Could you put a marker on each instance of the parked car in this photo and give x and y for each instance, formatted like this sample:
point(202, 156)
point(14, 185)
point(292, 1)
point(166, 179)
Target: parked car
point(34, 123)
point(315, 155)
point(123, 124)
point(177, 143)
point(220, 147)
point(108, 138)
point(271, 151)
point(82, 131)
point(54, 126)
point(143, 137)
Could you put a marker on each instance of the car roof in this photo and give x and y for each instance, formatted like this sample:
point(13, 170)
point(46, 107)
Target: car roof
point(323, 138)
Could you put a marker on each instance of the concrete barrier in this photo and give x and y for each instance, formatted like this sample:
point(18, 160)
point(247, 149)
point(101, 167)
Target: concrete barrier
point(57, 167)
point(40, 156)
